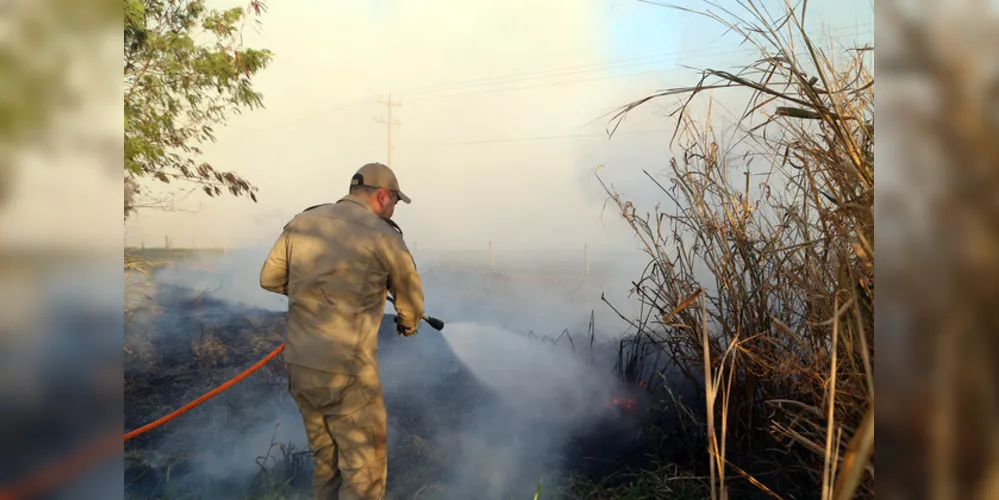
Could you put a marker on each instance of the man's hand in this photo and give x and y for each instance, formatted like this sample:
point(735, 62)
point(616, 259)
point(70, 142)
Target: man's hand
point(401, 330)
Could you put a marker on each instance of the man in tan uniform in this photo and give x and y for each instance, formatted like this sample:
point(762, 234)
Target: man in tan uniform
point(335, 263)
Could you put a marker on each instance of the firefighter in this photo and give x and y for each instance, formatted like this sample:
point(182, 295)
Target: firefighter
point(335, 263)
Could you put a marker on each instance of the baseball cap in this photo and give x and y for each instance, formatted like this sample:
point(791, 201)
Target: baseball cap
point(379, 176)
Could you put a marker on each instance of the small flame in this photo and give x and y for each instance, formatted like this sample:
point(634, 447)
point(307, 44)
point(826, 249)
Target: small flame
point(626, 403)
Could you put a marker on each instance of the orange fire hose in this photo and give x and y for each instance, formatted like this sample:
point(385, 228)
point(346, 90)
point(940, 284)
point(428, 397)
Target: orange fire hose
point(66, 469)
point(211, 394)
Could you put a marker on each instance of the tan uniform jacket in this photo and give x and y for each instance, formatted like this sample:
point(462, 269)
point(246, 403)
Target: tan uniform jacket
point(335, 263)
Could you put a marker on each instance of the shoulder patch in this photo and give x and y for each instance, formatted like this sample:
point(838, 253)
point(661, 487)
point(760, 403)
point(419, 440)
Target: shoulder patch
point(393, 225)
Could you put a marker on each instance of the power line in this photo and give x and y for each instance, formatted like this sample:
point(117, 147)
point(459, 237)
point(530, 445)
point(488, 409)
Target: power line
point(583, 68)
point(527, 77)
point(538, 85)
point(665, 57)
point(320, 112)
point(532, 139)
point(548, 84)
point(564, 82)
point(564, 71)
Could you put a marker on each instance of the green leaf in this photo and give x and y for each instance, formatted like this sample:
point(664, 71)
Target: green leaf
point(537, 494)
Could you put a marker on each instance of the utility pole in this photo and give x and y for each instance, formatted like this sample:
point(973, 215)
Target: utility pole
point(389, 105)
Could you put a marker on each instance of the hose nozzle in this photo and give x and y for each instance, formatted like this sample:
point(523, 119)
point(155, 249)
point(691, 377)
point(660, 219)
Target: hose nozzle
point(434, 323)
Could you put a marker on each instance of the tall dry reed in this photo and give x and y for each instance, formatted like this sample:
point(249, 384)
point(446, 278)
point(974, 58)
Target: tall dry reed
point(762, 270)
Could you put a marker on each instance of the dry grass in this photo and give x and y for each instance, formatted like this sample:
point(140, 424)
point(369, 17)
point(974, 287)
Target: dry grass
point(667, 481)
point(762, 279)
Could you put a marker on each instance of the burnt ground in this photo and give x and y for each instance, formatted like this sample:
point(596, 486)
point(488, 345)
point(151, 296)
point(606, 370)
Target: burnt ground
point(248, 442)
point(203, 342)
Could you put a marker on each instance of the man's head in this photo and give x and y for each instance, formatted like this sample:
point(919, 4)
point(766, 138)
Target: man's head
point(377, 184)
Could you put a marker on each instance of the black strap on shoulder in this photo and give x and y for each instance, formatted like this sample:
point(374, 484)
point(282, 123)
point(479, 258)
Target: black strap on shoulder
point(315, 206)
point(392, 223)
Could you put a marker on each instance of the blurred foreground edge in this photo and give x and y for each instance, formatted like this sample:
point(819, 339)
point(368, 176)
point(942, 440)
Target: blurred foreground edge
point(938, 185)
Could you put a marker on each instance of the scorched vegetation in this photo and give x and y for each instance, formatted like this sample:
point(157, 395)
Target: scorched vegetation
point(760, 288)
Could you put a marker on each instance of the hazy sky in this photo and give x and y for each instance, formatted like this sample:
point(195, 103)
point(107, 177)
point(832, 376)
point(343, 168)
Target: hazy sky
point(501, 106)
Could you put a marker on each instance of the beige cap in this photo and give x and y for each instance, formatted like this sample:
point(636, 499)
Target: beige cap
point(379, 176)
